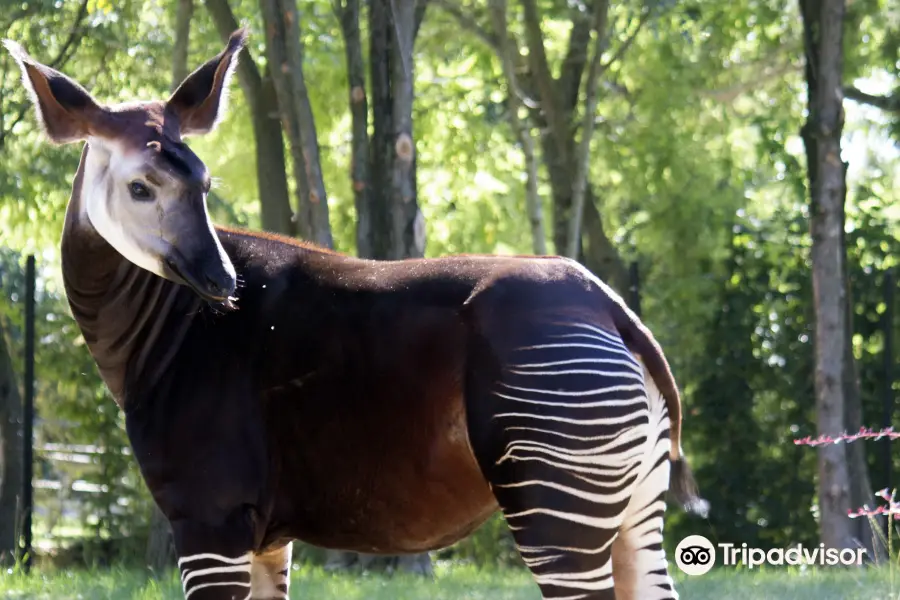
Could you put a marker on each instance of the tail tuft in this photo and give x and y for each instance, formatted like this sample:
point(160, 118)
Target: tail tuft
point(683, 488)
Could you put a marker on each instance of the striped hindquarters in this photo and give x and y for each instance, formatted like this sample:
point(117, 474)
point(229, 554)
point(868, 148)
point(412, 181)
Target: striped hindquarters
point(577, 429)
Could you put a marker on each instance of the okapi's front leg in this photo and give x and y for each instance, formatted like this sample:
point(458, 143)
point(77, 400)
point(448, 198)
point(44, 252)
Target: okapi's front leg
point(211, 576)
point(215, 561)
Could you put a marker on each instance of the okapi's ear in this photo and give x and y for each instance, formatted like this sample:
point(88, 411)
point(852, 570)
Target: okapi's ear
point(65, 109)
point(200, 100)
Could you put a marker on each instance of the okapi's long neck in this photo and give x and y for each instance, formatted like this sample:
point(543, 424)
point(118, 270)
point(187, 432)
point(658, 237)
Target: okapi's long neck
point(131, 319)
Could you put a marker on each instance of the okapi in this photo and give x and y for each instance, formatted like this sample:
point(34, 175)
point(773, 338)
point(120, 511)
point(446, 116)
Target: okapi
point(274, 390)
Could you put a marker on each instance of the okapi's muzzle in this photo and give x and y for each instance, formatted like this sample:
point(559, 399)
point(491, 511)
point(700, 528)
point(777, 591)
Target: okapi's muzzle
point(194, 256)
point(211, 275)
point(203, 266)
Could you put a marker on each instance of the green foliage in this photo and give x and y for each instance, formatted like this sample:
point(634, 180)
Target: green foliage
point(874, 247)
point(755, 395)
point(491, 545)
point(72, 408)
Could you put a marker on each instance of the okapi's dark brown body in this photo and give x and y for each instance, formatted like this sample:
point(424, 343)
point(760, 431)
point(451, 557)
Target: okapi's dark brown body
point(341, 403)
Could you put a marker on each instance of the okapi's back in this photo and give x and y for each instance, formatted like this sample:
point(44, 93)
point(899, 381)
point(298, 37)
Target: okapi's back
point(300, 268)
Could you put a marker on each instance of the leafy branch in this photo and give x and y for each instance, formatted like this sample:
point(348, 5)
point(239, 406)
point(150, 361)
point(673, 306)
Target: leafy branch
point(889, 103)
point(532, 197)
point(583, 151)
point(65, 53)
point(469, 24)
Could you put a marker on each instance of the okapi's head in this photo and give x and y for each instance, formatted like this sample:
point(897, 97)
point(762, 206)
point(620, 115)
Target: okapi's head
point(143, 190)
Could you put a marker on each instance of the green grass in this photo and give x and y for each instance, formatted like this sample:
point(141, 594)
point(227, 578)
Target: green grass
point(458, 583)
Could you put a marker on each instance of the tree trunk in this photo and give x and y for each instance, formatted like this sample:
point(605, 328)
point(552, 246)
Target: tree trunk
point(557, 141)
point(398, 226)
point(533, 203)
point(11, 467)
point(823, 36)
point(348, 14)
point(381, 149)
point(408, 221)
point(861, 491)
point(558, 99)
point(160, 546)
point(182, 42)
point(259, 91)
point(284, 50)
point(583, 151)
point(600, 256)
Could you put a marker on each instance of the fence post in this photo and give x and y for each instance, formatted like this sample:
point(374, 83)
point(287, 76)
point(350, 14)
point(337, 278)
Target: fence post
point(888, 355)
point(28, 416)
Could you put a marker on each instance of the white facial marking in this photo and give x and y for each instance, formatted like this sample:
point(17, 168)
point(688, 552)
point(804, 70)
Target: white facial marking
point(131, 227)
point(144, 231)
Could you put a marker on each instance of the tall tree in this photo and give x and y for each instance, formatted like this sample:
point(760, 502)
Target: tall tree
point(398, 226)
point(284, 50)
point(11, 467)
point(583, 151)
point(861, 57)
point(555, 103)
point(259, 91)
point(508, 51)
point(348, 13)
point(183, 15)
point(823, 42)
point(861, 491)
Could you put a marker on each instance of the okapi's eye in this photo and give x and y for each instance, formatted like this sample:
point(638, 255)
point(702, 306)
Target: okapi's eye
point(139, 191)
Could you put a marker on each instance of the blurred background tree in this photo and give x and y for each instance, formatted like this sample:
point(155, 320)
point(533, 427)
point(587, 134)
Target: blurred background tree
point(461, 122)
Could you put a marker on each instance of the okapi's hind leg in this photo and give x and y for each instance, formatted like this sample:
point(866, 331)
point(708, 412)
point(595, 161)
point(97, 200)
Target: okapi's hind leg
point(568, 560)
point(271, 573)
point(639, 560)
point(562, 432)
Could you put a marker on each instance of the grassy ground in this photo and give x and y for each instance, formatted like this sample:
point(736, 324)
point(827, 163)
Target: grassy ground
point(462, 583)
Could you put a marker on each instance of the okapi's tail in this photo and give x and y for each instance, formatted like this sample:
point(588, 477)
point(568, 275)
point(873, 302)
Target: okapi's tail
point(684, 489)
point(640, 340)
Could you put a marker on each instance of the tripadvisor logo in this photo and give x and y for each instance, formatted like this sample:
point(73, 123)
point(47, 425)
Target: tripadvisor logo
point(696, 555)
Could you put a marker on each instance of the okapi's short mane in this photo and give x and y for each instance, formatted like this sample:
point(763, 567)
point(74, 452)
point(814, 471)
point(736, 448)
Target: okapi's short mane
point(518, 256)
point(277, 237)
